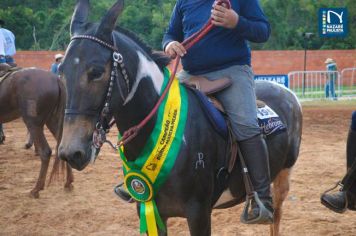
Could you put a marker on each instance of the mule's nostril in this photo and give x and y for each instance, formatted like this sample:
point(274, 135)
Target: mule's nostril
point(78, 155)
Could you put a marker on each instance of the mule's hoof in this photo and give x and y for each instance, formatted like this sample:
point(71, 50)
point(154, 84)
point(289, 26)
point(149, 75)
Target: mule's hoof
point(68, 187)
point(28, 146)
point(34, 194)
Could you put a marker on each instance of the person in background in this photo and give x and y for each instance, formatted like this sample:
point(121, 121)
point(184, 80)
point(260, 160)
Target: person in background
point(2, 49)
point(332, 76)
point(345, 198)
point(2, 61)
point(9, 45)
point(58, 59)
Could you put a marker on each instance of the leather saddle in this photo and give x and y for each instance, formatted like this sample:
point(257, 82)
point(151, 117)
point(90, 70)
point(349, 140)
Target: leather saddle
point(6, 70)
point(210, 87)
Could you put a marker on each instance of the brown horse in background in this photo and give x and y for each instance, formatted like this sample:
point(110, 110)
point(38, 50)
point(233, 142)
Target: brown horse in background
point(38, 96)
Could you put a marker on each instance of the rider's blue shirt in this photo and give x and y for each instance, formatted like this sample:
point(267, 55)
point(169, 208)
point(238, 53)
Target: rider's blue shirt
point(220, 48)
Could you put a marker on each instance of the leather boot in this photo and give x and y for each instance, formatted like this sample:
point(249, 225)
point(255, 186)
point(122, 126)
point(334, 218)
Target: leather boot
point(336, 202)
point(122, 193)
point(255, 154)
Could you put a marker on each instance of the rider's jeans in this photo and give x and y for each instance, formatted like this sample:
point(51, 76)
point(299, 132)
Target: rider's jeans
point(239, 100)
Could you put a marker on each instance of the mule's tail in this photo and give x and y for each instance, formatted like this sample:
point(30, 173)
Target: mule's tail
point(55, 124)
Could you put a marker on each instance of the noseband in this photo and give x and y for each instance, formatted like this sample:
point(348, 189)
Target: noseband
point(102, 126)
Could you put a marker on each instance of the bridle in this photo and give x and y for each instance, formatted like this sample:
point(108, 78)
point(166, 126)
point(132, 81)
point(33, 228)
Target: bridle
point(102, 127)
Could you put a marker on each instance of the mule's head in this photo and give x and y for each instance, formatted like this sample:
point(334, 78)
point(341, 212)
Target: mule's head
point(86, 71)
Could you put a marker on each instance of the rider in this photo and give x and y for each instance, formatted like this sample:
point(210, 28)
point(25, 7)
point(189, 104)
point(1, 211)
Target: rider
point(9, 45)
point(225, 52)
point(346, 196)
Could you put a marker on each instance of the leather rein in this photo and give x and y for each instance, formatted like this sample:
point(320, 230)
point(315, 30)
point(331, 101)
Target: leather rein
point(99, 135)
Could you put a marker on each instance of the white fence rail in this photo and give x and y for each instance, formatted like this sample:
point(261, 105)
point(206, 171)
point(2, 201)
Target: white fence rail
point(316, 85)
point(348, 76)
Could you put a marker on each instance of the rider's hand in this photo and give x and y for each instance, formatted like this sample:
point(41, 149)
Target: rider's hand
point(224, 17)
point(175, 48)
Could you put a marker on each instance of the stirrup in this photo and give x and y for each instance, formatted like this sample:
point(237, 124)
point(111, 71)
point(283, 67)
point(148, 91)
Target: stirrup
point(123, 195)
point(264, 217)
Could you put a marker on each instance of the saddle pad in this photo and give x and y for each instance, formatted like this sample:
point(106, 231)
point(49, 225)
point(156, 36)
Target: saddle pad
point(215, 117)
point(269, 121)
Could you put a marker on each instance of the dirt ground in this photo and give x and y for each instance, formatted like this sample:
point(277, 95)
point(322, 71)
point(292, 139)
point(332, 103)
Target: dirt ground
point(93, 209)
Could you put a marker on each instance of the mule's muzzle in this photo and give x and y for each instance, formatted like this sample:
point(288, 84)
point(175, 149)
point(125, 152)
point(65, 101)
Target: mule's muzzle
point(77, 159)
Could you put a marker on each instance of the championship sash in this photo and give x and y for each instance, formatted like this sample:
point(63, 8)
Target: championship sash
point(145, 175)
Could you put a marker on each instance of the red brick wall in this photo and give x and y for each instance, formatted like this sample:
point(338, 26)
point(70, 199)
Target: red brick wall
point(282, 62)
point(263, 62)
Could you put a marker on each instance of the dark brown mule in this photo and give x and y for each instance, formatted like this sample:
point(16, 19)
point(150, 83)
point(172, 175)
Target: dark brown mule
point(38, 96)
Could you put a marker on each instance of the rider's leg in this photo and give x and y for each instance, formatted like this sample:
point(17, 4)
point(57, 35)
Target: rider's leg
point(239, 101)
point(346, 197)
point(10, 61)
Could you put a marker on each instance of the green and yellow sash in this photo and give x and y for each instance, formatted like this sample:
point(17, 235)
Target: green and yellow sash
point(145, 175)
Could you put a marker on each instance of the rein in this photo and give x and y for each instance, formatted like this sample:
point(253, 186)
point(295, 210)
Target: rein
point(187, 43)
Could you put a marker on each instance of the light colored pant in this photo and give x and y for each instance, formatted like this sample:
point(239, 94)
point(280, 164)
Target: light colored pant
point(239, 100)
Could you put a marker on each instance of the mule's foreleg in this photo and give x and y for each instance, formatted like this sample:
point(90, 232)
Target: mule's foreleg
point(199, 219)
point(45, 154)
point(280, 192)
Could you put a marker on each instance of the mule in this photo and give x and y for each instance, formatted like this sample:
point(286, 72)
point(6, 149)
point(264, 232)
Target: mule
point(38, 97)
point(87, 67)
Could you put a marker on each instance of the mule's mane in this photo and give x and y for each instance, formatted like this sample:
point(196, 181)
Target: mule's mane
point(157, 56)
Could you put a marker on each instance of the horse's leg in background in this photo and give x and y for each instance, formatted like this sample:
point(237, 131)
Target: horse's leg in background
point(45, 154)
point(2, 135)
point(199, 219)
point(54, 124)
point(70, 178)
point(280, 191)
point(29, 142)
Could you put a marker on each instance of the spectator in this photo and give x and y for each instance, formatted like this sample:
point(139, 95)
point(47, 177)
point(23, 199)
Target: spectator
point(332, 76)
point(9, 45)
point(58, 60)
point(2, 49)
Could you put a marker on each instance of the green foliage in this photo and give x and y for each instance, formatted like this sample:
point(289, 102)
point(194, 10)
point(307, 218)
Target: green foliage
point(44, 24)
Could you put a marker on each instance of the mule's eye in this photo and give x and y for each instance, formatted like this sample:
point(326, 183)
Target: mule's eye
point(95, 73)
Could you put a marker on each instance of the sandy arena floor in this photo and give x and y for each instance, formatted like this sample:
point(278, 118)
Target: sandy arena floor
point(93, 209)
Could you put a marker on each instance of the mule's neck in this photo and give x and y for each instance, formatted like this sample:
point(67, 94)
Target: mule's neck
point(139, 103)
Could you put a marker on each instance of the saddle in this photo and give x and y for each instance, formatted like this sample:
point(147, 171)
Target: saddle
point(6, 70)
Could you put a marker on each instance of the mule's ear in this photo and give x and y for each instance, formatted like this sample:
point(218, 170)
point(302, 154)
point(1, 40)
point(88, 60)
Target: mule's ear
point(108, 22)
point(80, 17)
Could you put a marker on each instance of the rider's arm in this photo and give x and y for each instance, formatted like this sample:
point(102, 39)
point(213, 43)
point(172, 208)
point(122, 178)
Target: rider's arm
point(252, 23)
point(175, 28)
